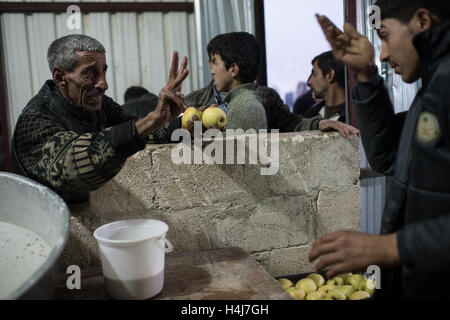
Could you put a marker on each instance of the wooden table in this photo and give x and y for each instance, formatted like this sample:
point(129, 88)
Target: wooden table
point(226, 274)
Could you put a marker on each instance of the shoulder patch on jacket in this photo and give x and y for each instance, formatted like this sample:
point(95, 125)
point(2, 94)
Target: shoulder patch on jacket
point(428, 129)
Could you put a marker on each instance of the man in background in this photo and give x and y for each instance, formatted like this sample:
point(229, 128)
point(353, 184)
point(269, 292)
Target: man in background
point(327, 81)
point(139, 102)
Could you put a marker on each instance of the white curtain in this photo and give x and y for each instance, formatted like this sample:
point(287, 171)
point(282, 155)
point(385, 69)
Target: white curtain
point(214, 17)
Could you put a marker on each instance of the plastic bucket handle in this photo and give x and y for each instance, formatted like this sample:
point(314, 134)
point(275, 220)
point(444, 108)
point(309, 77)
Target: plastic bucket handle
point(166, 242)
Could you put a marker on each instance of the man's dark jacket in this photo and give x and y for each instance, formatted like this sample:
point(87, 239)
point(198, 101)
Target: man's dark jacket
point(414, 148)
point(303, 103)
point(314, 111)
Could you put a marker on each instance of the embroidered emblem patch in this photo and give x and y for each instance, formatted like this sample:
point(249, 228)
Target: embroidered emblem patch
point(428, 128)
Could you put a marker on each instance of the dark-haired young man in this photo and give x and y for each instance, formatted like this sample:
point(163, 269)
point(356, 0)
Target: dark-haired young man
point(234, 63)
point(327, 81)
point(413, 249)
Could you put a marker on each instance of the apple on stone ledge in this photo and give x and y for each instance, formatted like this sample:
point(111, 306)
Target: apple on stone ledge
point(214, 117)
point(188, 115)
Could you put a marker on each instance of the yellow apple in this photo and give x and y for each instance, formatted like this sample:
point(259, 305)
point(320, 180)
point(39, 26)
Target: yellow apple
point(355, 280)
point(317, 278)
point(314, 295)
point(359, 295)
point(308, 285)
point(348, 290)
point(367, 285)
point(297, 293)
point(188, 116)
point(214, 116)
point(285, 283)
point(336, 294)
point(336, 281)
point(324, 289)
point(344, 276)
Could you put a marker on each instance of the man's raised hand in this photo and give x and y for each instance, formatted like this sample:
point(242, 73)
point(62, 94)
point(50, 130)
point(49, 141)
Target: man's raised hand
point(176, 77)
point(171, 102)
point(350, 48)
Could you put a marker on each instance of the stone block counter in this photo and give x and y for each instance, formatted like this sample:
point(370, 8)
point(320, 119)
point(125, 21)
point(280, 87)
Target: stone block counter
point(274, 218)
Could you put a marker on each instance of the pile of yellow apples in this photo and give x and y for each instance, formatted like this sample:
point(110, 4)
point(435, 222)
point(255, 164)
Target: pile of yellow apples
point(345, 286)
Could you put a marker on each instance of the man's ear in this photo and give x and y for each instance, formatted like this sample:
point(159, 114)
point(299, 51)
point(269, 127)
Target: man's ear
point(422, 20)
point(59, 77)
point(330, 76)
point(234, 70)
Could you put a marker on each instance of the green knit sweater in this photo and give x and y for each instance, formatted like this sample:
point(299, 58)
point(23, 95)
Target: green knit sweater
point(244, 110)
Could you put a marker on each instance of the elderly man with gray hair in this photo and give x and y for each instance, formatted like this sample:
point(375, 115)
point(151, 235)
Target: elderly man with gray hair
point(71, 137)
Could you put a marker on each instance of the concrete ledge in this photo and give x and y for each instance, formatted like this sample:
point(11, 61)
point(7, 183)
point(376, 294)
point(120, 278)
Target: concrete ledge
point(275, 218)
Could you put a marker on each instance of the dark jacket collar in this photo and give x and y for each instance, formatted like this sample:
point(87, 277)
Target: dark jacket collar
point(432, 45)
point(62, 102)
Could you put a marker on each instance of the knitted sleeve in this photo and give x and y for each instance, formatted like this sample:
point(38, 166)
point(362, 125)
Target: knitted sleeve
point(68, 162)
point(246, 112)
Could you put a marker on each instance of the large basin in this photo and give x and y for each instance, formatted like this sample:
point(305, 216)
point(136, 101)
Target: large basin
point(29, 209)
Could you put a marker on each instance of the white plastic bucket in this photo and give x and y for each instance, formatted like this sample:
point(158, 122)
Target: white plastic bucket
point(132, 253)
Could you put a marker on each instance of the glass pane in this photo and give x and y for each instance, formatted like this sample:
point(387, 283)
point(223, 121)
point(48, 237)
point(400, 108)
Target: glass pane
point(293, 39)
point(401, 93)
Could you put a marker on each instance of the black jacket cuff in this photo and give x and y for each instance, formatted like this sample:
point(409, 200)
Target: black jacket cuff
point(125, 139)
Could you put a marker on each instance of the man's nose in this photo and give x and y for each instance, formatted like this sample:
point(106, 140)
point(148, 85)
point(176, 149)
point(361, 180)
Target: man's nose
point(384, 56)
point(102, 84)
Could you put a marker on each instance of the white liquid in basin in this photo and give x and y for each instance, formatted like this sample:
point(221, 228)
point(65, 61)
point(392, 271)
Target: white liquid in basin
point(22, 252)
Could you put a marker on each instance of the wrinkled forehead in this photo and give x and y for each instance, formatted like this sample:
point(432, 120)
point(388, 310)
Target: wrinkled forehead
point(85, 58)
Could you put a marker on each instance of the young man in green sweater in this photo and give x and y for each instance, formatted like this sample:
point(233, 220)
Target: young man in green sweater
point(234, 60)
